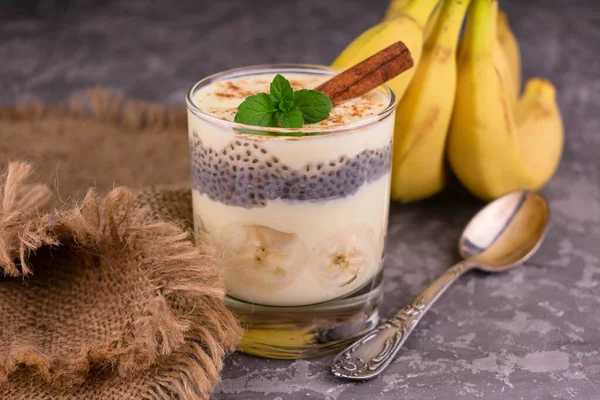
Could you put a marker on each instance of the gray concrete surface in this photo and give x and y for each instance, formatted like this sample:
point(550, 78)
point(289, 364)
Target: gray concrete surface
point(530, 334)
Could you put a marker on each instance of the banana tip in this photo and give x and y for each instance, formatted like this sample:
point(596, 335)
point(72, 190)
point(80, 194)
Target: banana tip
point(541, 86)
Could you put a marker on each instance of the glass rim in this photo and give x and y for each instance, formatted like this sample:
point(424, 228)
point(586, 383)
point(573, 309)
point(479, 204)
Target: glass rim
point(289, 133)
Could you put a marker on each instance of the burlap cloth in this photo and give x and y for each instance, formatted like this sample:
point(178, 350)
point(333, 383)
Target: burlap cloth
point(103, 295)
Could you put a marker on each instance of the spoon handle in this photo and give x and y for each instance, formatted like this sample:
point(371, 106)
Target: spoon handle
point(368, 357)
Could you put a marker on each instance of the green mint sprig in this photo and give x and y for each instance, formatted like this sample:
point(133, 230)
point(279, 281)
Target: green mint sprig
point(284, 107)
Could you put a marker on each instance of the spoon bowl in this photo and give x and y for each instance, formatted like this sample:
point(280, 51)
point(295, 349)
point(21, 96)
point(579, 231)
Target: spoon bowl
point(506, 232)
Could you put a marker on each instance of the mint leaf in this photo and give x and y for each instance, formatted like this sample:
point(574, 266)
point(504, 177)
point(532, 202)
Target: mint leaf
point(281, 89)
point(283, 107)
point(291, 119)
point(314, 105)
point(257, 110)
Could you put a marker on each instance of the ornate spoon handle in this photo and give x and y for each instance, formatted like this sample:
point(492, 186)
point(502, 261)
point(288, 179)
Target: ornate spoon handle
point(368, 357)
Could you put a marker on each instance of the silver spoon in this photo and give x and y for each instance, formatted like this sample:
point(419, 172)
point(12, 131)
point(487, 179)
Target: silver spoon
point(501, 236)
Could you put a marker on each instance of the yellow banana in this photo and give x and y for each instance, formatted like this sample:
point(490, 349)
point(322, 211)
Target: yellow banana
point(423, 114)
point(495, 147)
point(510, 46)
point(396, 8)
point(540, 130)
point(407, 27)
point(501, 63)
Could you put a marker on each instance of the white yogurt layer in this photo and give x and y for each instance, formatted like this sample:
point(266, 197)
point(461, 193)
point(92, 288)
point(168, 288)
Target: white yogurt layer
point(292, 253)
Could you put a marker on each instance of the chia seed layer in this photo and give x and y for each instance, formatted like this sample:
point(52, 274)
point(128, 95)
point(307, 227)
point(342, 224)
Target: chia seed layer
point(244, 174)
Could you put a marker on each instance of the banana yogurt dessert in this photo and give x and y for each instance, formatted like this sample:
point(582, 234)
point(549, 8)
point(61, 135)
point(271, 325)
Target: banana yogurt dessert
point(299, 215)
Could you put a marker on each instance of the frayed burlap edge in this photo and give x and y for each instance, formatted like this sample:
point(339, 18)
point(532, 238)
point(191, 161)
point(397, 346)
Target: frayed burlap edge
point(19, 232)
point(23, 230)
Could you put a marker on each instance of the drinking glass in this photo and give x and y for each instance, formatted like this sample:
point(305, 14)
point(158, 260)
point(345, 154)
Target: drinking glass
point(299, 217)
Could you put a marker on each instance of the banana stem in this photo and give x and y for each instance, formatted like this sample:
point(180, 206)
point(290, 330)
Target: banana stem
point(447, 29)
point(480, 33)
point(420, 10)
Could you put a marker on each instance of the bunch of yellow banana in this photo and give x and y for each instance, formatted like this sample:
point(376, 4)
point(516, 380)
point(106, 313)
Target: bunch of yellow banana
point(463, 108)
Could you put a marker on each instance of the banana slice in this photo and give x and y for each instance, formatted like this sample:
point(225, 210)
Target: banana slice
point(262, 257)
point(347, 258)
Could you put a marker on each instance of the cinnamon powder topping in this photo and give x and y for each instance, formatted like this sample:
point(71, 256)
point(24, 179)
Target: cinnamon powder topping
point(230, 90)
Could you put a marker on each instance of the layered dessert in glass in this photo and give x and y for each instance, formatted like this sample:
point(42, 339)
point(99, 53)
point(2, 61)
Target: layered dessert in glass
point(299, 215)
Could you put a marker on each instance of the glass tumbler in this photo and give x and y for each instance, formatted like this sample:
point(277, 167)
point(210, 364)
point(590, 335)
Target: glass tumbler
point(299, 217)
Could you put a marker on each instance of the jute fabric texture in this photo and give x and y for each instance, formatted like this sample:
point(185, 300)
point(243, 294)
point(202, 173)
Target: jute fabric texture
point(103, 293)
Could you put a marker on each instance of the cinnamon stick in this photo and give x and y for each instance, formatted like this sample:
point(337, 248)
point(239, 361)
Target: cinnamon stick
point(368, 74)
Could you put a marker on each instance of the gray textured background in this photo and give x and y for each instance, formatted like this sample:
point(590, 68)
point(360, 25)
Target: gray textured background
point(530, 334)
